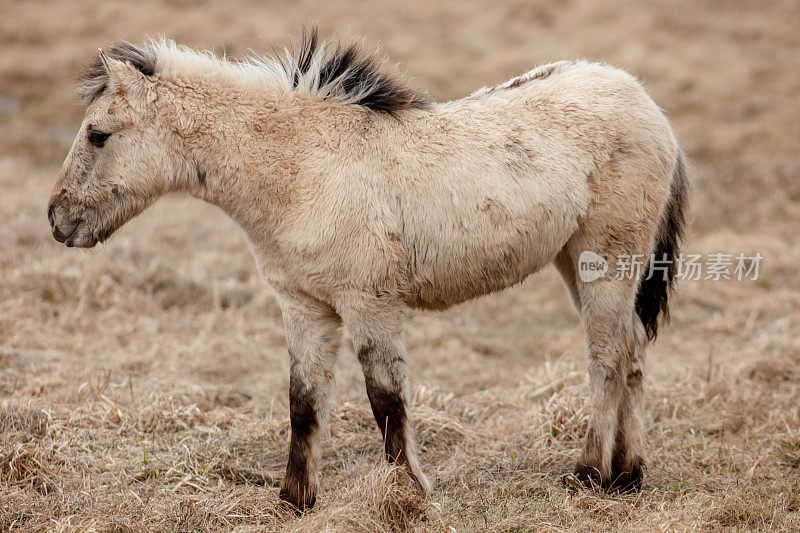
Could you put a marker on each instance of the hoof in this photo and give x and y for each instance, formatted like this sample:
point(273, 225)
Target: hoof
point(296, 501)
point(588, 476)
point(629, 480)
point(621, 482)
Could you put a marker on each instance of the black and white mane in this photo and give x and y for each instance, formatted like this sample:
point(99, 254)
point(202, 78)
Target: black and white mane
point(345, 74)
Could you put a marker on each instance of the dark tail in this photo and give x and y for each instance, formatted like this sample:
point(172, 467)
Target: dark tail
point(652, 300)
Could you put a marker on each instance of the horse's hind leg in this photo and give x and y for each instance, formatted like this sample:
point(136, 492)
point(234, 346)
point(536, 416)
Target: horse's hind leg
point(615, 343)
point(628, 195)
point(626, 460)
point(613, 454)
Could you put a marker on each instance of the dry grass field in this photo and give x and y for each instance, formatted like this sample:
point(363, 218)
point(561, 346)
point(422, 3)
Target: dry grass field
point(143, 384)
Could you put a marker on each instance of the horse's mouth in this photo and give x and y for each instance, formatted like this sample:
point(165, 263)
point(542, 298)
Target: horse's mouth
point(69, 241)
point(77, 237)
point(70, 235)
point(64, 234)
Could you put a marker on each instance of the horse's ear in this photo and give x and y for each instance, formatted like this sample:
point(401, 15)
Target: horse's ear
point(103, 59)
point(122, 76)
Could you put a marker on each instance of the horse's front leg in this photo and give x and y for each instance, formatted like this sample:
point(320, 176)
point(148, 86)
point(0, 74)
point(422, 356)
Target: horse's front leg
point(312, 336)
point(374, 328)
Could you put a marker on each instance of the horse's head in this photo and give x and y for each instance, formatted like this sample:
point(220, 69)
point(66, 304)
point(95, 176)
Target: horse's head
point(118, 162)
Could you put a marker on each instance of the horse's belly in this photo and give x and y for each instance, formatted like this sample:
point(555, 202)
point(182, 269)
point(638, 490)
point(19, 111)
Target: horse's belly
point(463, 269)
point(468, 285)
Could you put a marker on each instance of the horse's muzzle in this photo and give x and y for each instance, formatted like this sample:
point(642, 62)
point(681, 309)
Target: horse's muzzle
point(62, 231)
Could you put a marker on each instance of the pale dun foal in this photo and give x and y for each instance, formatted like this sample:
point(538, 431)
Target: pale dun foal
point(360, 198)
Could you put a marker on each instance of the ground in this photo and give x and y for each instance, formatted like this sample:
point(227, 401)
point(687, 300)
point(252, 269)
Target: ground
point(143, 384)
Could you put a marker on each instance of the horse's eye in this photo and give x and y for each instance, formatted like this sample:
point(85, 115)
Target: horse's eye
point(98, 138)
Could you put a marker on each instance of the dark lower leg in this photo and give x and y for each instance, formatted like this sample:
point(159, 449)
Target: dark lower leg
point(389, 410)
point(385, 375)
point(300, 484)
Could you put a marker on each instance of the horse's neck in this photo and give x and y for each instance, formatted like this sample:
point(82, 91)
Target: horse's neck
point(234, 157)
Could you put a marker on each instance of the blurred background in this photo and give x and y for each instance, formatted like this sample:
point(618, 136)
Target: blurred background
point(143, 383)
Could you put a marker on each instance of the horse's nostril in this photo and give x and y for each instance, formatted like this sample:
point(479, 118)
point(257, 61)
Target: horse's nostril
point(51, 216)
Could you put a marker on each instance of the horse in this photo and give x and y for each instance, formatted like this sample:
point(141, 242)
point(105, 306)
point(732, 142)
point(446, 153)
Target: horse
point(361, 197)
